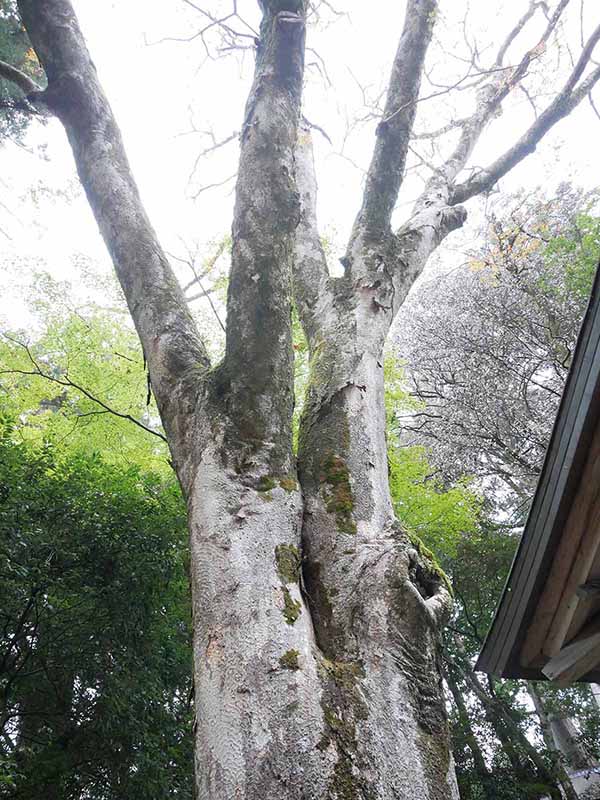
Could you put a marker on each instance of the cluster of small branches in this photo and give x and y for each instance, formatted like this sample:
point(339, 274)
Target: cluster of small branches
point(488, 346)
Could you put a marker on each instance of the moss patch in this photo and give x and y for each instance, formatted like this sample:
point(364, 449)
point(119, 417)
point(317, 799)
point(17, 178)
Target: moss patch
point(287, 558)
point(344, 673)
point(343, 706)
point(289, 660)
point(291, 608)
point(430, 561)
point(338, 492)
point(345, 784)
point(290, 484)
point(266, 483)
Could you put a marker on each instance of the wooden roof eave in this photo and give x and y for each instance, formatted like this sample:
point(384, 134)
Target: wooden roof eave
point(568, 451)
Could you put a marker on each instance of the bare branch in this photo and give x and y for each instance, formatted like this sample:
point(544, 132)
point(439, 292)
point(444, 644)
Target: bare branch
point(457, 123)
point(562, 105)
point(198, 279)
point(216, 145)
point(318, 128)
point(593, 105)
point(230, 34)
point(386, 171)
point(533, 6)
point(215, 185)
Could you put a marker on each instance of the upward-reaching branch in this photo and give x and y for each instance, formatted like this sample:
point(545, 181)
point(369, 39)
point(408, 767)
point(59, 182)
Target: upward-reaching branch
point(312, 292)
point(259, 359)
point(386, 170)
point(533, 6)
point(565, 101)
point(166, 329)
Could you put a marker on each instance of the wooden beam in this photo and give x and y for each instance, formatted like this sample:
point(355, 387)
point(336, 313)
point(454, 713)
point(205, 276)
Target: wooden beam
point(590, 589)
point(588, 606)
point(578, 575)
point(577, 658)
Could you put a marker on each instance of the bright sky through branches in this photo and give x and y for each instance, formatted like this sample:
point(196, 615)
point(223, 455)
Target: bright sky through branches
point(162, 90)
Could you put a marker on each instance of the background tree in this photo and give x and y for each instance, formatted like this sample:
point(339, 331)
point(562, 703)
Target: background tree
point(488, 346)
point(334, 690)
point(95, 636)
point(18, 63)
point(485, 374)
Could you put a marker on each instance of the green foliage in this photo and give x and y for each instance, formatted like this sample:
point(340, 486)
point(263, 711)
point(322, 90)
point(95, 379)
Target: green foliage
point(576, 253)
point(439, 516)
point(479, 570)
point(102, 357)
point(16, 50)
point(94, 649)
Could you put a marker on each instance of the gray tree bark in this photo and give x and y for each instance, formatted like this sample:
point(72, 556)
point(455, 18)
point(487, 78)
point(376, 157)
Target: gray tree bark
point(552, 743)
point(316, 623)
point(484, 775)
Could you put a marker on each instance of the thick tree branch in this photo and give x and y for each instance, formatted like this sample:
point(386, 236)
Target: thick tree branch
point(386, 170)
point(20, 79)
point(259, 360)
point(165, 326)
point(565, 101)
point(312, 292)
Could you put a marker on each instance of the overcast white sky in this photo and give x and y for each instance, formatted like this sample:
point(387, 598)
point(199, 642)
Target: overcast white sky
point(161, 90)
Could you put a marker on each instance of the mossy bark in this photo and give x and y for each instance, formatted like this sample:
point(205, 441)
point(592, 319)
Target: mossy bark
point(316, 622)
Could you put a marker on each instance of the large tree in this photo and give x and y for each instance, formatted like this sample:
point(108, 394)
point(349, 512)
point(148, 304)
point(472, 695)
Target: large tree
point(316, 622)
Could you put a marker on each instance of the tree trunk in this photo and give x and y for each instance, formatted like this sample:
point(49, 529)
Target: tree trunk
point(485, 777)
point(551, 744)
point(316, 622)
point(566, 740)
point(334, 690)
point(527, 764)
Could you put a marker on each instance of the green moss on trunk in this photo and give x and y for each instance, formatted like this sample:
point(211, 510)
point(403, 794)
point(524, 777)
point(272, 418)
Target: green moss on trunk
point(289, 660)
point(291, 608)
point(337, 492)
point(287, 558)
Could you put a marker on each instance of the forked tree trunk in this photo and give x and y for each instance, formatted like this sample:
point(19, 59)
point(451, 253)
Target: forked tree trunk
point(316, 622)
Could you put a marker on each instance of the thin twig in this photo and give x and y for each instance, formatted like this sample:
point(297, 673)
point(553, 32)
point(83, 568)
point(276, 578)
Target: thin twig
point(66, 381)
